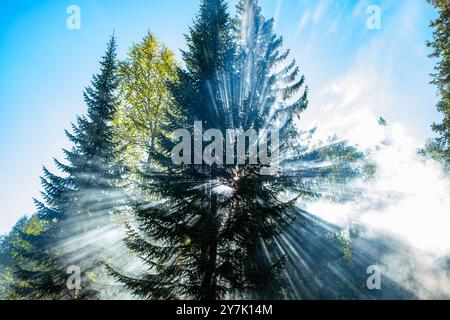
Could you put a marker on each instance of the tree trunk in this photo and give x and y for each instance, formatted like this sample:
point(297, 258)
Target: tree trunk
point(209, 283)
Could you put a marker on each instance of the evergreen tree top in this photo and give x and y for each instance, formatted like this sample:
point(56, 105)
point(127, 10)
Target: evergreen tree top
point(209, 40)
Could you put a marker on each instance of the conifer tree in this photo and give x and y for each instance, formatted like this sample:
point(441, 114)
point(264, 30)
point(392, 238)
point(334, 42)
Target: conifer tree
point(207, 230)
point(194, 246)
point(439, 148)
point(77, 203)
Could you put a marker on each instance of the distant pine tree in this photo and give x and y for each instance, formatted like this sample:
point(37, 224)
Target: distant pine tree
point(77, 204)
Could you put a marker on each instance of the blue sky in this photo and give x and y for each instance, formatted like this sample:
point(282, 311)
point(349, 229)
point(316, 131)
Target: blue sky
point(349, 68)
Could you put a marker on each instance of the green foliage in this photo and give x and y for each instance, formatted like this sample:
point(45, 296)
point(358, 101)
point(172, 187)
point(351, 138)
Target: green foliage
point(7, 244)
point(145, 97)
point(75, 204)
point(436, 151)
point(440, 147)
point(344, 242)
point(196, 241)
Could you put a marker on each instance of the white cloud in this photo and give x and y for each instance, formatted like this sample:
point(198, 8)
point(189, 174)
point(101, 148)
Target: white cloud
point(409, 199)
point(320, 10)
point(303, 21)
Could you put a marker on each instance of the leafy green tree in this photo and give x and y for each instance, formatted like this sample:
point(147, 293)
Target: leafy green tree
point(439, 148)
point(145, 97)
point(77, 204)
point(208, 231)
point(7, 245)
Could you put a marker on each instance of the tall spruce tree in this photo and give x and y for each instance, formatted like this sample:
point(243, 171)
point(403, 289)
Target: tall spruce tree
point(182, 255)
point(206, 230)
point(440, 147)
point(76, 204)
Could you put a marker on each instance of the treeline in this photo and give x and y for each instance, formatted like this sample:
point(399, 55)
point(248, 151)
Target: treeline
point(200, 231)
